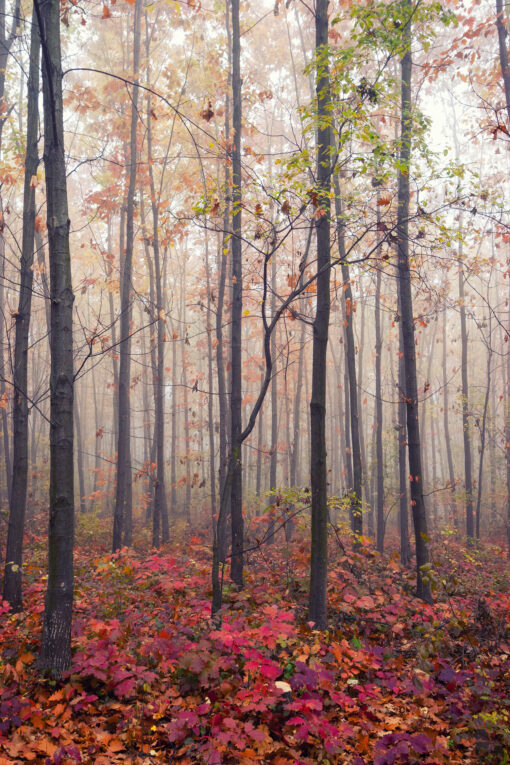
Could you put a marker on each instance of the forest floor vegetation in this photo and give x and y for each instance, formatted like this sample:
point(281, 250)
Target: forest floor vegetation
point(154, 680)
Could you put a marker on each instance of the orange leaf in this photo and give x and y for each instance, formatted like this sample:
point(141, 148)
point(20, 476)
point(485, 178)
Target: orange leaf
point(116, 745)
point(106, 13)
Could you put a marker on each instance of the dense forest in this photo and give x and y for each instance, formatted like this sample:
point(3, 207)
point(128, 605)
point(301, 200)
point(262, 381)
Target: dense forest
point(255, 381)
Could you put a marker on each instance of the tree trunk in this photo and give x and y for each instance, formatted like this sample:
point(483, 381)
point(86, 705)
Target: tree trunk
point(470, 528)
point(379, 415)
point(407, 320)
point(160, 506)
point(236, 491)
point(12, 591)
point(350, 361)
point(173, 451)
point(260, 448)
point(405, 553)
point(273, 466)
point(56, 638)
point(210, 383)
point(6, 41)
point(505, 71)
point(483, 432)
point(446, 425)
point(79, 456)
point(122, 521)
point(317, 609)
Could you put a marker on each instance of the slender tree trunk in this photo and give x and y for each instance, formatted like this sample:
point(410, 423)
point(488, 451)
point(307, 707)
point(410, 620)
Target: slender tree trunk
point(260, 447)
point(359, 386)
point(483, 432)
point(6, 41)
point(236, 492)
point(273, 466)
point(505, 71)
point(55, 652)
point(115, 361)
point(507, 428)
point(405, 552)
point(210, 379)
point(317, 609)
point(98, 441)
point(122, 521)
point(407, 320)
point(4, 417)
point(12, 591)
point(434, 518)
point(187, 438)
point(350, 362)
point(470, 528)
point(222, 277)
point(160, 506)
point(379, 415)
point(79, 456)
point(446, 425)
point(173, 452)
point(492, 455)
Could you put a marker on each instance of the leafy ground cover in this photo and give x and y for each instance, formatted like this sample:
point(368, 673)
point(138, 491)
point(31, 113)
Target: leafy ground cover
point(154, 680)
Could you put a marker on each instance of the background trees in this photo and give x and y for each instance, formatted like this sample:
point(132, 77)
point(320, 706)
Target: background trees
point(199, 173)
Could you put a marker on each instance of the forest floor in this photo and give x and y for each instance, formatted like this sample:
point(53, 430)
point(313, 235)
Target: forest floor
point(153, 680)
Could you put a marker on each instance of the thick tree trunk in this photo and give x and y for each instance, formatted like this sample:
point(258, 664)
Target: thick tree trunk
point(56, 639)
point(12, 591)
point(407, 320)
point(317, 609)
point(122, 520)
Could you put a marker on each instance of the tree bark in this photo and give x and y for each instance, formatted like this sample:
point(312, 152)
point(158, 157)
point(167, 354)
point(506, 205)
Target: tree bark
point(446, 425)
point(12, 590)
point(407, 320)
point(55, 654)
point(468, 481)
point(505, 72)
point(379, 414)
point(405, 552)
point(317, 608)
point(273, 466)
point(122, 520)
point(350, 360)
point(160, 505)
point(236, 489)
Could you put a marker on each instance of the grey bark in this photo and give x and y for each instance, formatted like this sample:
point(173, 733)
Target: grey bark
point(55, 654)
point(122, 520)
point(12, 588)
point(317, 607)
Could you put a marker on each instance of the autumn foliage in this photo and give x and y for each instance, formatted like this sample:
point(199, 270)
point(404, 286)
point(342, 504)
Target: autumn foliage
point(153, 679)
